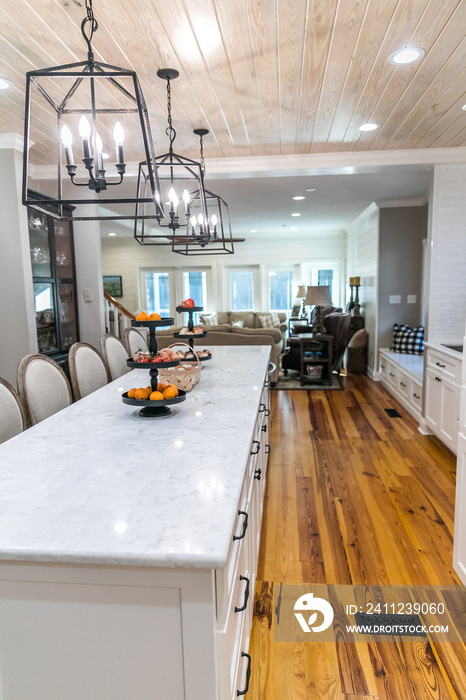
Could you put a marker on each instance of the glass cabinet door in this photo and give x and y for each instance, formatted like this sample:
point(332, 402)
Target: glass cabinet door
point(66, 305)
point(45, 317)
point(63, 253)
point(39, 244)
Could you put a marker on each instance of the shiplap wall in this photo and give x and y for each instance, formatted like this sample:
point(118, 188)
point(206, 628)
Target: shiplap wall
point(122, 255)
point(362, 261)
point(447, 291)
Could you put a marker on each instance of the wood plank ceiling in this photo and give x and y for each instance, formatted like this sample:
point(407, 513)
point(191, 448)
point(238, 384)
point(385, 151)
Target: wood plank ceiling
point(266, 77)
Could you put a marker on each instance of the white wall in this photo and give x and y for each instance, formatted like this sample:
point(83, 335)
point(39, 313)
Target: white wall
point(447, 289)
point(362, 261)
point(17, 317)
point(124, 256)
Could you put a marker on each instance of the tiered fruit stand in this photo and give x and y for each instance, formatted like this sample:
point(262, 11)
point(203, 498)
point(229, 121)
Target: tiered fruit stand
point(190, 337)
point(161, 408)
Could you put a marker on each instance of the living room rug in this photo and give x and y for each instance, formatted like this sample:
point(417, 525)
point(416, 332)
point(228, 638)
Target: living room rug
point(292, 381)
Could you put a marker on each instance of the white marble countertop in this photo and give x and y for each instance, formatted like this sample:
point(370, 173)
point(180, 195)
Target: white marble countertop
point(95, 483)
point(447, 351)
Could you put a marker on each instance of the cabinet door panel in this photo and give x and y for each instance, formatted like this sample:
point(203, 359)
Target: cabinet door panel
point(459, 542)
point(433, 396)
point(449, 413)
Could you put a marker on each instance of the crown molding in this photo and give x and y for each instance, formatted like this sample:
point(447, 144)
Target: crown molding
point(14, 141)
point(414, 202)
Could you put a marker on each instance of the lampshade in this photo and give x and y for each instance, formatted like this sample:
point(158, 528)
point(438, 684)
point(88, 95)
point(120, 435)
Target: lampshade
point(301, 293)
point(318, 296)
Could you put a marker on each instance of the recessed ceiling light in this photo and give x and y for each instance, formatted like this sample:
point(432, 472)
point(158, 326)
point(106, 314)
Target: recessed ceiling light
point(370, 126)
point(464, 107)
point(294, 228)
point(253, 230)
point(407, 55)
point(112, 234)
point(311, 189)
point(5, 84)
point(299, 197)
point(296, 214)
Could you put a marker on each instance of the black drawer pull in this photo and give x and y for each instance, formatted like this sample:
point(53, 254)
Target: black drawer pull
point(383, 366)
point(401, 383)
point(264, 428)
point(262, 408)
point(416, 396)
point(245, 526)
point(256, 442)
point(257, 474)
point(267, 413)
point(267, 449)
point(391, 374)
point(437, 379)
point(248, 675)
point(439, 365)
point(246, 595)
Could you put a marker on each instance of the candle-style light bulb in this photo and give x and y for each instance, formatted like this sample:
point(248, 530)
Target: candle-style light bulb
point(99, 147)
point(67, 140)
point(85, 132)
point(200, 221)
point(173, 197)
point(187, 202)
point(119, 137)
point(193, 224)
point(214, 223)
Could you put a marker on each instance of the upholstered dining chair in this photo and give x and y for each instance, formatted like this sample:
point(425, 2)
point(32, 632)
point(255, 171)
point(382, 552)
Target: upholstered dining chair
point(134, 340)
point(13, 418)
point(88, 370)
point(43, 386)
point(115, 355)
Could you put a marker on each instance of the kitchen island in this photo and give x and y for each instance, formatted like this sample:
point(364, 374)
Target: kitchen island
point(127, 543)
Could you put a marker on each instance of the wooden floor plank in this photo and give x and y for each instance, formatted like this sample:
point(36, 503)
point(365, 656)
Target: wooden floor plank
point(353, 496)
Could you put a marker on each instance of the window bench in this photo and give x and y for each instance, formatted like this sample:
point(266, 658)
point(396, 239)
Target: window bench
point(402, 375)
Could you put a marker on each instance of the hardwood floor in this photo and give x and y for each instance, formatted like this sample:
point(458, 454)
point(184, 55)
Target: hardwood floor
point(353, 497)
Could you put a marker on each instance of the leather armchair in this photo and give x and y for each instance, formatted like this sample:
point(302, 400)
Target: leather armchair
point(337, 325)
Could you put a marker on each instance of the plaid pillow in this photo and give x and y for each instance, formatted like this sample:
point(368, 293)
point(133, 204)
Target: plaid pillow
point(269, 320)
point(408, 340)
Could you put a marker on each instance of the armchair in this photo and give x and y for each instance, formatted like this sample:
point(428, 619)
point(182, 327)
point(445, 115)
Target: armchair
point(337, 325)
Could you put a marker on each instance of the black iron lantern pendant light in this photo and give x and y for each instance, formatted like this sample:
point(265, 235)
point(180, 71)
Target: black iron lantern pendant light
point(179, 178)
point(104, 104)
point(211, 234)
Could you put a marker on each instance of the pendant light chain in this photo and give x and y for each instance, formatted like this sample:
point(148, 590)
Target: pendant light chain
point(202, 161)
point(93, 25)
point(170, 131)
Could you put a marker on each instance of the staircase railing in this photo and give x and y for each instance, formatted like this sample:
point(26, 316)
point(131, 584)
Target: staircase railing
point(117, 318)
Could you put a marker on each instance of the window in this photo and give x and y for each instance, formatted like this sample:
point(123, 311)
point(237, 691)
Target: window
point(242, 290)
point(195, 287)
point(157, 293)
point(322, 278)
point(281, 295)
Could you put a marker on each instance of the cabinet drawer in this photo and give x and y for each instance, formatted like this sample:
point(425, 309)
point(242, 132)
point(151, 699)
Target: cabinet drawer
point(383, 366)
point(416, 394)
point(404, 384)
point(243, 665)
point(443, 365)
point(393, 374)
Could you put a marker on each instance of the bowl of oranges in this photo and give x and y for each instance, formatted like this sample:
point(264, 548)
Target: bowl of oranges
point(154, 402)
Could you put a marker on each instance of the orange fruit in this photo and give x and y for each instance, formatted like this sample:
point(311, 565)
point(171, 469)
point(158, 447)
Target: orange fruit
point(173, 386)
point(154, 317)
point(142, 316)
point(161, 386)
point(149, 389)
point(141, 394)
point(156, 396)
point(170, 392)
point(131, 393)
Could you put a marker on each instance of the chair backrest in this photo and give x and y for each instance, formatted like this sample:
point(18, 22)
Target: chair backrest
point(13, 418)
point(43, 387)
point(88, 370)
point(338, 325)
point(134, 340)
point(115, 355)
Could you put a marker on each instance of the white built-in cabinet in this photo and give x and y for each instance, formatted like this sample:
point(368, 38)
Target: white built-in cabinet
point(402, 376)
point(442, 388)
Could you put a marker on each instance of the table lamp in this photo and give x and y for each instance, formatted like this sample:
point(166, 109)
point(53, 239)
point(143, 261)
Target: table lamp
point(301, 294)
point(319, 297)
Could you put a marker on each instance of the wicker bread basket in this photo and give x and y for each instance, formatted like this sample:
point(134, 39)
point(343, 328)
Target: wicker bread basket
point(184, 376)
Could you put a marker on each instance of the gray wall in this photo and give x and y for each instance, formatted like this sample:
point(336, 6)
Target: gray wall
point(402, 230)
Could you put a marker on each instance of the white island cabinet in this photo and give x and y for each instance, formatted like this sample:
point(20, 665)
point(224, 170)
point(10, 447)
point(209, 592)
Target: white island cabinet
point(129, 546)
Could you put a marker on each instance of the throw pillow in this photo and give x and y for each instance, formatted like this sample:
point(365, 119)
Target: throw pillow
point(408, 340)
point(238, 323)
point(269, 320)
point(209, 319)
point(359, 339)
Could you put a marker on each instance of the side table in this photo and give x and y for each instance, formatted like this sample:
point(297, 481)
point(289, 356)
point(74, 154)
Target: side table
point(316, 351)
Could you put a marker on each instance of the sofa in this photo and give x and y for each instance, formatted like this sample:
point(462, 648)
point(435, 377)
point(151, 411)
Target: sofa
point(228, 335)
point(250, 319)
point(337, 325)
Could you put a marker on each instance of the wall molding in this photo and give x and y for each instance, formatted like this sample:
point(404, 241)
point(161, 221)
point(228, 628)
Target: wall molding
point(14, 141)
